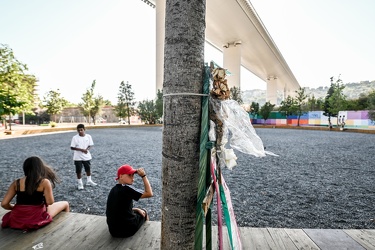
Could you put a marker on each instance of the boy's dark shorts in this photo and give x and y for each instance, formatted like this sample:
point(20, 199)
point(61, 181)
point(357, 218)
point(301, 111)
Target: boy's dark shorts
point(126, 229)
point(80, 164)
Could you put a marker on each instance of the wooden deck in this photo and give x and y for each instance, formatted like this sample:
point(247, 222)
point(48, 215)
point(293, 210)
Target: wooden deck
point(82, 231)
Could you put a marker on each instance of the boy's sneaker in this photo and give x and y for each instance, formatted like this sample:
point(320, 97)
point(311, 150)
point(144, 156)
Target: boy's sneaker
point(80, 186)
point(91, 183)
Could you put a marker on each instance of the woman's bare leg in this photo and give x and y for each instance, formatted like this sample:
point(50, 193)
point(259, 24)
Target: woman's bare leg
point(57, 207)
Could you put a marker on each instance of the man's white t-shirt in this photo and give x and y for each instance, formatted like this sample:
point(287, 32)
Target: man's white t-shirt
point(81, 142)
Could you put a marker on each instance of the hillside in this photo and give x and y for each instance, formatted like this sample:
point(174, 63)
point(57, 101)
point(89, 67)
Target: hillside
point(351, 91)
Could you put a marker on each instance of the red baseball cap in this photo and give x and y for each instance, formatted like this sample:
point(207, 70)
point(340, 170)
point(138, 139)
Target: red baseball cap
point(125, 169)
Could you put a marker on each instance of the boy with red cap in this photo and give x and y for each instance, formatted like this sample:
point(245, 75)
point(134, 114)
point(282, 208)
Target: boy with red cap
point(123, 219)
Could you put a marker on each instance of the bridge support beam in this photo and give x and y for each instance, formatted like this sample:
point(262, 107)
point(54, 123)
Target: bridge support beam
point(232, 62)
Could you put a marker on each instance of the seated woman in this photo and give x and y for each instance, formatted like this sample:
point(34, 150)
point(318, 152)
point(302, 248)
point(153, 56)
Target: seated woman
point(35, 206)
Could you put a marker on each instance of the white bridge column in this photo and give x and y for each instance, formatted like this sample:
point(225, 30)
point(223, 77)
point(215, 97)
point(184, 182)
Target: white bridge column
point(160, 34)
point(271, 95)
point(232, 62)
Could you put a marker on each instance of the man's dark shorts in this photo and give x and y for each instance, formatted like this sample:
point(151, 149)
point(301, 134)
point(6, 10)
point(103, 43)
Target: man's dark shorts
point(80, 164)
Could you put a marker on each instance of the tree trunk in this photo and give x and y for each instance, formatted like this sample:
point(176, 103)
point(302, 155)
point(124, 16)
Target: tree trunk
point(299, 117)
point(10, 121)
point(183, 73)
point(128, 113)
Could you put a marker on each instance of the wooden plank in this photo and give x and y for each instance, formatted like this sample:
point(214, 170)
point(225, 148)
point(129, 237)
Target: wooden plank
point(100, 237)
point(332, 239)
point(301, 240)
point(137, 240)
point(281, 239)
point(147, 237)
point(82, 234)
point(82, 231)
point(365, 237)
point(253, 239)
point(18, 239)
point(155, 236)
point(215, 239)
point(54, 237)
point(257, 238)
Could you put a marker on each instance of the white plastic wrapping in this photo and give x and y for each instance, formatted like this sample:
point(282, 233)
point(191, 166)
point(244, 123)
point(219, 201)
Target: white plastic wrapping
point(236, 122)
point(230, 158)
point(211, 132)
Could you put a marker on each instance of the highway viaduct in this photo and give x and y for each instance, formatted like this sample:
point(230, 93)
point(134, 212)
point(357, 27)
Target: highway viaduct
point(235, 29)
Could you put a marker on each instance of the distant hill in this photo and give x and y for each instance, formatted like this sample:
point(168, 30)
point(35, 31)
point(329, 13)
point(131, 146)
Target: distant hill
point(351, 91)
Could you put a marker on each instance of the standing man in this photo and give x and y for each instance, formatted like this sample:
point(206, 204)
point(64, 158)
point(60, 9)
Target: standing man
point(81, 143)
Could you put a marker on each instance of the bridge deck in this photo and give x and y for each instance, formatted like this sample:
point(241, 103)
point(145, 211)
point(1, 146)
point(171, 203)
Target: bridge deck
point(82, 231)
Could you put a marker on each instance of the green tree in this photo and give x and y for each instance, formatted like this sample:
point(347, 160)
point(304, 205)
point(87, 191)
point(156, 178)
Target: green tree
point(319, 104)
point(17, 85)
point(265, 110)
point(236, 94)
point(8, 105)
point(314, 104)
point(54, 103)
point(327, 105)
point(26, 94)
point(300, 103)
point(361, 103)
point(92, 105)
point(311, 103)
point(159, 104)
point(371, 105)
point(337, 100)
point(96, 110)
point(125, 101)
point(288, 106)
point(183, 73)
point(88, 101)
point(254, 109)
point(148, 112)
point(107, 103)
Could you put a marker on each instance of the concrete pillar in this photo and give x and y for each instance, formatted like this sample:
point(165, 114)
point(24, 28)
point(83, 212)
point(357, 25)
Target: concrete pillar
point(160, 35)
point(232, 62)
point(271, 95)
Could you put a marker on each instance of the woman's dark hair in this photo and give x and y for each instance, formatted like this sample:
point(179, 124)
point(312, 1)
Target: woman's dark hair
point(35, 171)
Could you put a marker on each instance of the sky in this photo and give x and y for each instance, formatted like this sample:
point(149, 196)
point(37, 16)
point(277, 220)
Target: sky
point(69, 44)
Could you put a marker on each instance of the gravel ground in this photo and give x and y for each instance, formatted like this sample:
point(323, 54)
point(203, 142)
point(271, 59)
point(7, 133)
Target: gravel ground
point(321, 179)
